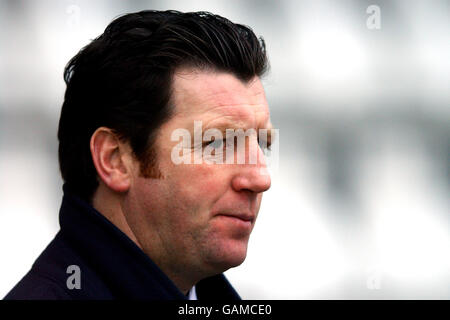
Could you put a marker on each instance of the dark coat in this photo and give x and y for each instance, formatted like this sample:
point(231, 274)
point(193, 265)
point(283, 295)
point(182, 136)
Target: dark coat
point(111, 265)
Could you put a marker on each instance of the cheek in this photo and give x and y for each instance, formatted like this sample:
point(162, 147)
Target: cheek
point(200, 184)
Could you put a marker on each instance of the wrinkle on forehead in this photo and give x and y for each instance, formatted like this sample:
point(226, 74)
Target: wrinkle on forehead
point(209, 91)
point(218, 99)
point(244, 117)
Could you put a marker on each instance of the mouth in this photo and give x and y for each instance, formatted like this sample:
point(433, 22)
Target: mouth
point(240, 219)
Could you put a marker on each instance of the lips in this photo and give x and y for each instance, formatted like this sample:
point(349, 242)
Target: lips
point(241, 216)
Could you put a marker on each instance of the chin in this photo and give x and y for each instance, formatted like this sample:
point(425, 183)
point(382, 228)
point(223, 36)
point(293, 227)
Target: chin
point(228, 256)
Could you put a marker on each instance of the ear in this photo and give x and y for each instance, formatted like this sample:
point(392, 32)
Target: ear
point(111, 159)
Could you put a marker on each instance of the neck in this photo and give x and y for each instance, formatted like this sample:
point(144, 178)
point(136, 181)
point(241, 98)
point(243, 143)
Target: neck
point(109, 204)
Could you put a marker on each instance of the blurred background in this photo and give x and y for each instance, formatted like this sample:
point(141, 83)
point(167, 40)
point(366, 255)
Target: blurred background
point(360, 93)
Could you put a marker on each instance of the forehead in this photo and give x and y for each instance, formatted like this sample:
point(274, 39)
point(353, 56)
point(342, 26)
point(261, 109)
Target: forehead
point(210, 96)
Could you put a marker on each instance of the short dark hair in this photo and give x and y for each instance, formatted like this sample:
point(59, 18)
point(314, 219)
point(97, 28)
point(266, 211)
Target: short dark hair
point(122, 80)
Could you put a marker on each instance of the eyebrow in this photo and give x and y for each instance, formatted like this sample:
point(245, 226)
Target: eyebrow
point(223, 126)
point(229, 125)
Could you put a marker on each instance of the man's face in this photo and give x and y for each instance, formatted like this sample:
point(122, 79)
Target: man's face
point(198, 217)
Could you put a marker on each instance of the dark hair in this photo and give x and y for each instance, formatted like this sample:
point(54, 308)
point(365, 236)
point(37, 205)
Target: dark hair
point(122, 80)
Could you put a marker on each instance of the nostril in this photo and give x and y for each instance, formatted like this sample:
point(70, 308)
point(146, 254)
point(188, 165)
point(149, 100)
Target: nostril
point(252, 180)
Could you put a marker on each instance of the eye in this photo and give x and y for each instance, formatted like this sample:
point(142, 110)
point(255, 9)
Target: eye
point(216, 143)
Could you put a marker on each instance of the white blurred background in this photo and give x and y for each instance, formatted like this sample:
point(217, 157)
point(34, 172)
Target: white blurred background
point(359, 206)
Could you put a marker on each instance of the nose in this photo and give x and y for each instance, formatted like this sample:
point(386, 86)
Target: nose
point(252, 180)
point(252, 177)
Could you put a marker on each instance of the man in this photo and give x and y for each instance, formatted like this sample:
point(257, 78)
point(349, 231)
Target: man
point(135, 223)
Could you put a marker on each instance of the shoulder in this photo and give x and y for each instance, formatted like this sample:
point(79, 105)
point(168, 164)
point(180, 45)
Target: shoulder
point(50, 273)
point(34, 286)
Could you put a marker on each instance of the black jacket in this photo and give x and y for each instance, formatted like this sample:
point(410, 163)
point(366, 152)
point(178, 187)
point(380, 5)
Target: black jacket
point(111, 265)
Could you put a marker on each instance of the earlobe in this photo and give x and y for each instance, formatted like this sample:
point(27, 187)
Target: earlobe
point(109, 158)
